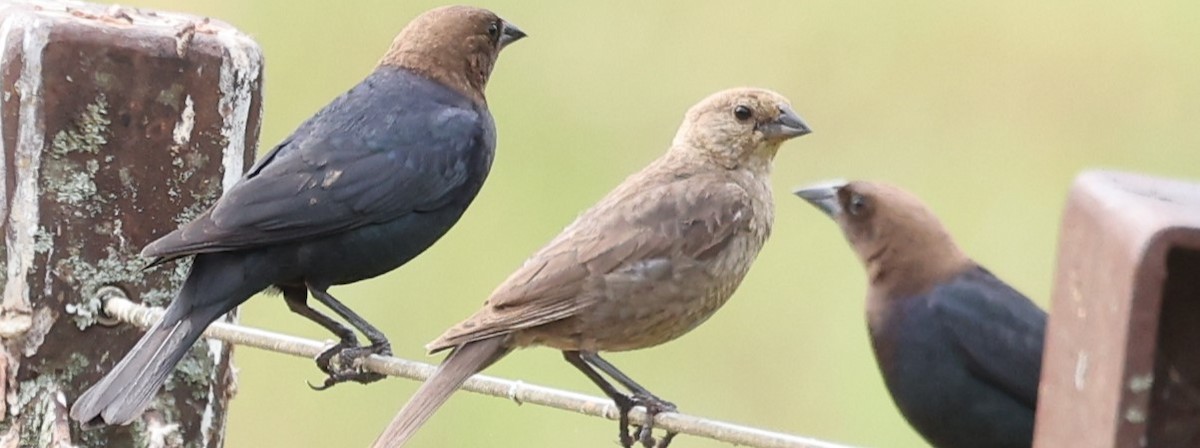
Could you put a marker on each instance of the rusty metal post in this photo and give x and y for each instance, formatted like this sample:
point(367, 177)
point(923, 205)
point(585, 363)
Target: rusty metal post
point(116, 126)
point(1121, 368)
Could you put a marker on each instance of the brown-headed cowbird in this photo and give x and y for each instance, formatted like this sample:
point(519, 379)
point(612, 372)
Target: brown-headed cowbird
point(648, 263)
point(359, 189)
point(959, 350)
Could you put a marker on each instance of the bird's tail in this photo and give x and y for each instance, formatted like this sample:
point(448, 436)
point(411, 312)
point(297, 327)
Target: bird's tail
point(124, 392)
point(122, 395)
point(464, 361)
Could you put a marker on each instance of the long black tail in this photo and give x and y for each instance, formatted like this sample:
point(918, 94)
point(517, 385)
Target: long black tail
point(215, 286)
point(124, 393)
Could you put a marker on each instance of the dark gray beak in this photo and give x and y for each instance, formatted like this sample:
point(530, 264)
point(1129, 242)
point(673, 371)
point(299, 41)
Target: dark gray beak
point(824, 196)
point(788, 125)
point(510, 34)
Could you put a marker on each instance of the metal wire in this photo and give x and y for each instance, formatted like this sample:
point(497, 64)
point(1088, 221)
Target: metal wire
point(117, 306)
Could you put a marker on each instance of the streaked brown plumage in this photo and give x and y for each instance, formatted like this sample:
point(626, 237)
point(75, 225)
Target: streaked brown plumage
point(652, 260)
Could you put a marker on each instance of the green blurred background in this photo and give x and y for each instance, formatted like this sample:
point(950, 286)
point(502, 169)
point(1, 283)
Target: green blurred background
point(985, 109)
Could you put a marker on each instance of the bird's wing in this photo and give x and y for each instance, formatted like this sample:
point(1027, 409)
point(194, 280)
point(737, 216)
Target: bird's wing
point(369, 157)
point(647, 229)
point(998, 329)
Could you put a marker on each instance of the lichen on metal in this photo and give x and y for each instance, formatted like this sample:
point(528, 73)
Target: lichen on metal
point(71, 184)
point(97, 168)
point(89, 132)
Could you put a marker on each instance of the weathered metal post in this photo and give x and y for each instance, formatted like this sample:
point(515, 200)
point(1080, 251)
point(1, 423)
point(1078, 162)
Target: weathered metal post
point(1121, 367)
point(116, 125)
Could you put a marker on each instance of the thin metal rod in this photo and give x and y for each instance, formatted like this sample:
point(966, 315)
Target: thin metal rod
point(127, 311)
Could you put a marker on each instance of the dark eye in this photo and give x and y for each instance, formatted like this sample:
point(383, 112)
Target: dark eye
point(494, 30)
point(742, 113)
point(856, 204)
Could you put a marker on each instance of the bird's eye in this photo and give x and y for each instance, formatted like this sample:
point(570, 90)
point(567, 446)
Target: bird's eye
point(742, 113)
point(494, 30)
point(856, 204)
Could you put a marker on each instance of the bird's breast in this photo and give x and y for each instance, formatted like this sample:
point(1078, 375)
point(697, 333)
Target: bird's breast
point(642, 308)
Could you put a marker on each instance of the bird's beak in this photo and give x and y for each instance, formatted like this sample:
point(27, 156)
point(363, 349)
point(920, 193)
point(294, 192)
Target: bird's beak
point(787, 125)
point(510, 34)
point(824, 196)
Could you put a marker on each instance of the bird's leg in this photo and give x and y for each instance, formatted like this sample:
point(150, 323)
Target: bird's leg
point(352, 357)
point(641, 397)
point(297, 301)
point(624, 402)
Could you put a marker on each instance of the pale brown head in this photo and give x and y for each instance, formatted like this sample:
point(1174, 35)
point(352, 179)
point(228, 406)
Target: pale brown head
point(455, 45)
point(903, 246)
point(738, 127)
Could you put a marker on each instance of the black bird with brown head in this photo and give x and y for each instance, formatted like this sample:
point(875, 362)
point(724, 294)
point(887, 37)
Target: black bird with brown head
point(959, 350)
point(367, 183)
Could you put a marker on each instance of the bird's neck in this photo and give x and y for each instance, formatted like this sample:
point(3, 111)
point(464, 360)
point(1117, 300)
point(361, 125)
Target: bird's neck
point(905, 273)
point(758, 162)
point(456, 72)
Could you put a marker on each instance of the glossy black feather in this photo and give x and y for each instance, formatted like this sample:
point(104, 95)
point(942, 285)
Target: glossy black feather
point(395, 144)
point(962, 361)
point(365, 185)
point(1000, 331)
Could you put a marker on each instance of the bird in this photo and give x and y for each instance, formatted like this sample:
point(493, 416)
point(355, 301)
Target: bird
point(366, 184)
point(959, 349)
point(652, 260)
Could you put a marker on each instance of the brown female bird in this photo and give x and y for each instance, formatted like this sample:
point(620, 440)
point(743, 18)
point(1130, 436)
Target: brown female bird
point(651, 261)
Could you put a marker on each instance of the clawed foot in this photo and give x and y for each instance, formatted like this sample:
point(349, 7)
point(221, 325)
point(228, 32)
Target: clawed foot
point(645, 436)
point(325, 359)
point(344, 362)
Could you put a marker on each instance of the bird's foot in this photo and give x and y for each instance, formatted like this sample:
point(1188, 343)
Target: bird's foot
point(326, 358)
point(654, 406)
point(645, 436)
point(343, 364)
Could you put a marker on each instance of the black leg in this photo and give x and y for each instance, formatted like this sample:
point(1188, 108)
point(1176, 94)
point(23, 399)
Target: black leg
point(641, 397)
point(612, 371)
point(351, 356)
point(623, 402)
point(297, 301)
point(373, 334)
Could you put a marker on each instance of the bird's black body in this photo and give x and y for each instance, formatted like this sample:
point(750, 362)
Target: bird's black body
point(362, 187)
point(962, 361)
point(384, 170)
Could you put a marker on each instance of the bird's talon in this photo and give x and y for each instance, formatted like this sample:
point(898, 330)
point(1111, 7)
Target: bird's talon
point(345, 363)
point(653, 406)
point(646, 436)
point(623, 408)
point(626, 439)
point(325, 385)
point(666, 440)
point(353, 374)
point(325, 360)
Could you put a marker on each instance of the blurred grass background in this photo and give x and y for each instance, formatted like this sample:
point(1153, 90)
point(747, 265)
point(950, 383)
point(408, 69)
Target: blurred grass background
point(985, 109)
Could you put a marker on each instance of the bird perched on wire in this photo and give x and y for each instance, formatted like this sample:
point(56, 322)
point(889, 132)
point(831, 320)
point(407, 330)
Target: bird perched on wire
point(959, 350)
point(362, 187)
point(651, 261)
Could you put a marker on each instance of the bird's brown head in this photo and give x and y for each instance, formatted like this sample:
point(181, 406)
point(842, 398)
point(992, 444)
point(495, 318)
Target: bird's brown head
point(903, 246)
point(454, 45)
point(740, 127)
